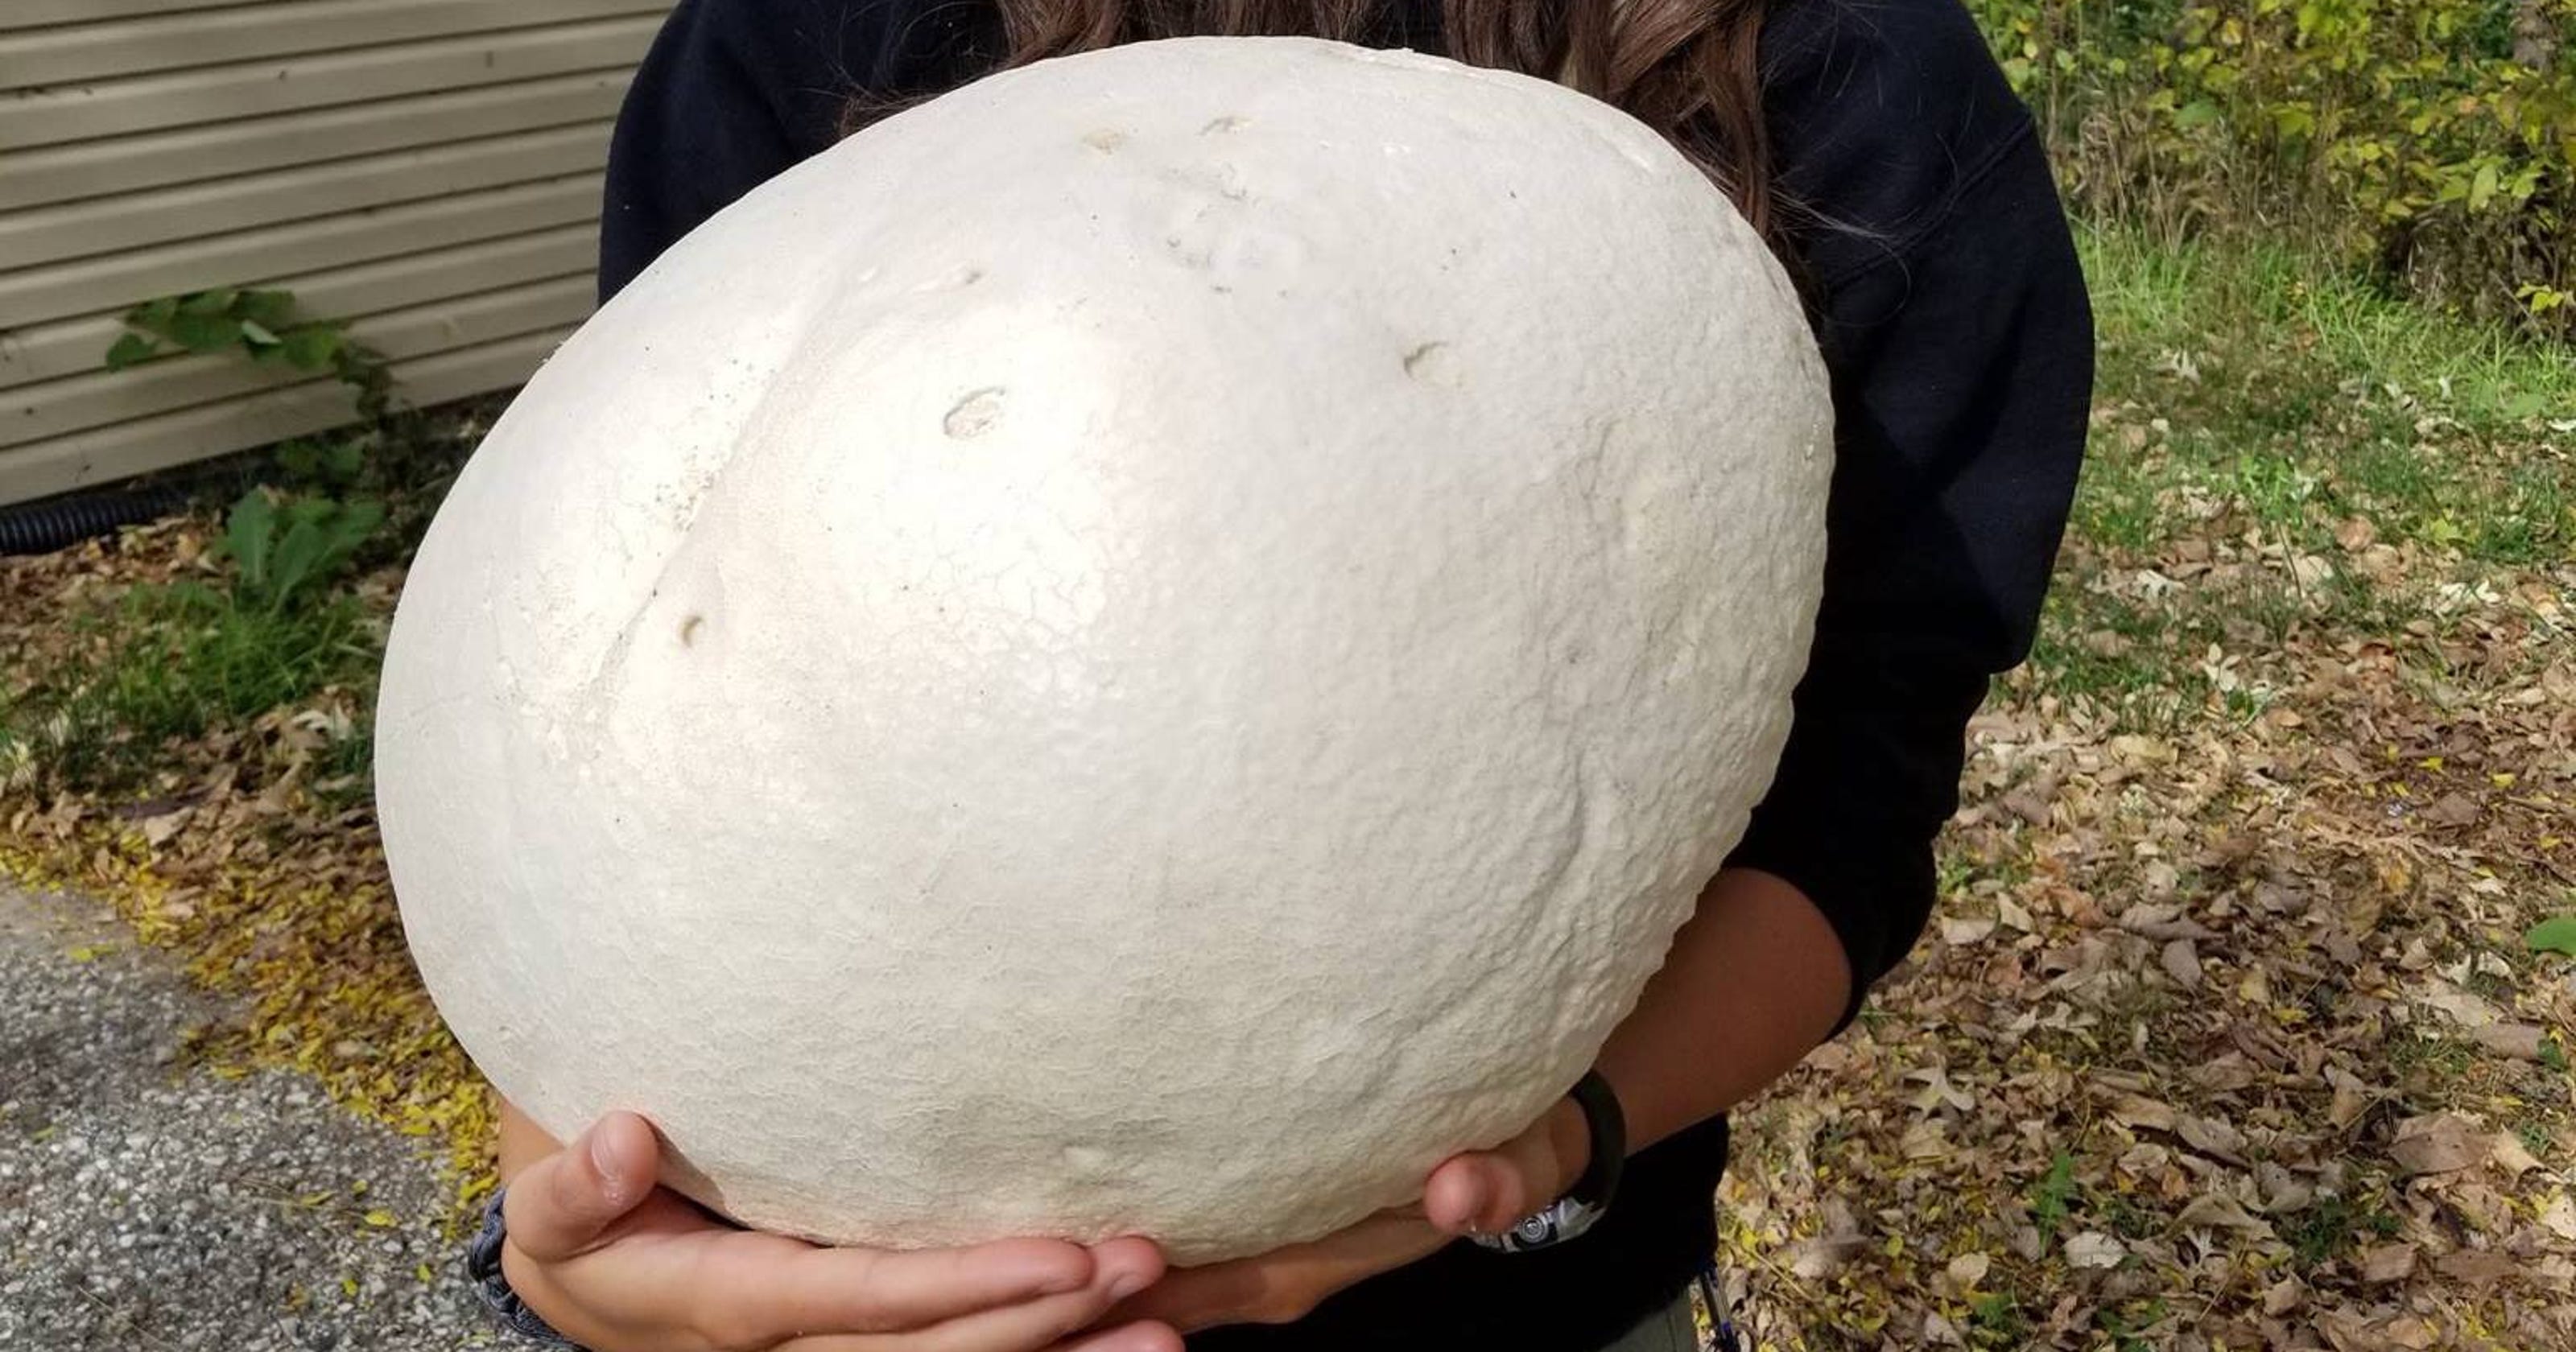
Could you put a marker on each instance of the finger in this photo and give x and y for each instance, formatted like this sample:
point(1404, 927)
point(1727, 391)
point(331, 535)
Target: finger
point(1492, 1191)
point(1124, 1338)
point(1119, 1269)
point(559, 1206)
point(1138, 1337)
point(772, 1290)
point(1474, 1194)
point(1285, 1284)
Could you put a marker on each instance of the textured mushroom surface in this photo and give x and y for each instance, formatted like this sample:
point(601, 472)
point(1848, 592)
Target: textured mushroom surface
point(1151, 646)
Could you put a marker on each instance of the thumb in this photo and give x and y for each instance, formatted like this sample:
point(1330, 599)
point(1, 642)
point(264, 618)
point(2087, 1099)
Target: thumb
point(1489, 1191)
point(1480, 1193)
point(559, 1206)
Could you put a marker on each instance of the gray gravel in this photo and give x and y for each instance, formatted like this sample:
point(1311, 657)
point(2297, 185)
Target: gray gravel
point(143, 1206)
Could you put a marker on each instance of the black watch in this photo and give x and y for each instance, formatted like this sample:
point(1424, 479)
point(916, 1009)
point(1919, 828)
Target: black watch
point(1584, 1204)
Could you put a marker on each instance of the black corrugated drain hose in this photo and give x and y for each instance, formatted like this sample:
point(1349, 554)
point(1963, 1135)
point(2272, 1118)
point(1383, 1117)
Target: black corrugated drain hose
point(49, 524)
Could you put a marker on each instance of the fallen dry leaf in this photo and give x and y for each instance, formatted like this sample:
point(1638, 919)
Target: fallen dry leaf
point(2476, 1266)
point(2094, 1249)
point(2439, 1144)
point(2182, 963)
point(1964, 931)
point(2521, 1041)
point(2388, 1263)
point(2223, 1212)
point(2510, 1155)
point(2559, 1217)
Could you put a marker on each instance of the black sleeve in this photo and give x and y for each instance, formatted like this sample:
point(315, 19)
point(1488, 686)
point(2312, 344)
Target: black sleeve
point(1953, 315)
point(735, 92)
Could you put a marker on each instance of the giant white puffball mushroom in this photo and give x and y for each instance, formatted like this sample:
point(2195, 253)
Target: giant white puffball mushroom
point(1152, 646)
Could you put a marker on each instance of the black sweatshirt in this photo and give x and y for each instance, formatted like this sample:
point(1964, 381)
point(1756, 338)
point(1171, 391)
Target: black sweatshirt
point(1953, 318)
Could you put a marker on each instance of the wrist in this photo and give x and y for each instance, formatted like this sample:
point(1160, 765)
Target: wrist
point(498, 1272)
point(1569, 1137)
point(1590, 1163)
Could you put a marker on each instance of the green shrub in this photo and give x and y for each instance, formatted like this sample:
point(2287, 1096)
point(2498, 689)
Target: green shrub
point(2432, 141)
point(179, 660)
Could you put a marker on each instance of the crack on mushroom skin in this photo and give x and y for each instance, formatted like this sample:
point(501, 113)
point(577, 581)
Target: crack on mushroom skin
point(975, 414)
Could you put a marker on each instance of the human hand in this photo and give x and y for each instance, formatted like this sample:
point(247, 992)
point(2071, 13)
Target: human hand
point(620, 1265)
point(1481, 1192)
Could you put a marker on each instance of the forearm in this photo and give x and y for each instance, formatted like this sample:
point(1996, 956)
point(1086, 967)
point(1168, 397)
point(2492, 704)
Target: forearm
point(522, 1141)
point(1753, 983)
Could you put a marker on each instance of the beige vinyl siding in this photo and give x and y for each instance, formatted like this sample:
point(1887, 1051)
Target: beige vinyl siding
point(427, 169)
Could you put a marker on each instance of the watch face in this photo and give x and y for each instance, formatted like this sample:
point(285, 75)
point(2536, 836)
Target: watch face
point(1565, 1220)
point(1536, 1230)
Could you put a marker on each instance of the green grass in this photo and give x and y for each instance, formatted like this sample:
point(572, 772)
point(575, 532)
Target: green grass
point(2252, 398)
point(2431, 1057)
point(173, 662)
point(2050, 1195)
point(2178, 299)
point(2331, 1228)
point(2303, 396)
point(1996, 1320)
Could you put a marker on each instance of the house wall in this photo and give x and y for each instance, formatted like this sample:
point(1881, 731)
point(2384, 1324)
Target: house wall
point(428, 169)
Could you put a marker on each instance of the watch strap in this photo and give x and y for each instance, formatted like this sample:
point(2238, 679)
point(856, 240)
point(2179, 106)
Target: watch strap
point(1584, 1204)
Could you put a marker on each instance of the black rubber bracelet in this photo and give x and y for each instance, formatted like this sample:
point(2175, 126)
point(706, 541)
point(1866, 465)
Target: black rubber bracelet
point(1583, 1205)
point(1609, 1127)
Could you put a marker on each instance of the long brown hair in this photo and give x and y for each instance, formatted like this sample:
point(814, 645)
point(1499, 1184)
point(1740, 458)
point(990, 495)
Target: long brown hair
point(1687, 68)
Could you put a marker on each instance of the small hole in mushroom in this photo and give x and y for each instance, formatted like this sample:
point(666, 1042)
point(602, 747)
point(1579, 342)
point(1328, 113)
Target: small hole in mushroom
point(975, 414)
point(1432, 363)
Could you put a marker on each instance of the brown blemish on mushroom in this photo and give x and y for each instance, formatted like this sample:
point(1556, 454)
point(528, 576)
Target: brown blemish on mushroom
point(975, 414)
point(689, 630)
point(1224, 125)
point(1106, 141)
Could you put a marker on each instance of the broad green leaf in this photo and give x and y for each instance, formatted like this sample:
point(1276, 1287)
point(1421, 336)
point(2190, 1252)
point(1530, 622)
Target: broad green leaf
point(298, 556)
point(131, 349)
point(2482, 189)
point(2554, 935)
point(257, 334)
point(206, 303)
point(248, 535)
point(310, 347)
point(301, 458)
point(205, 333)
point(273, 310)
point(153, 314)
point(345, 460)
point(359, 520)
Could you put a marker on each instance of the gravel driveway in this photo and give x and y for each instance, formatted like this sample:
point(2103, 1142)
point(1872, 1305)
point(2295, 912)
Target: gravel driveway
point(145, 1207)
